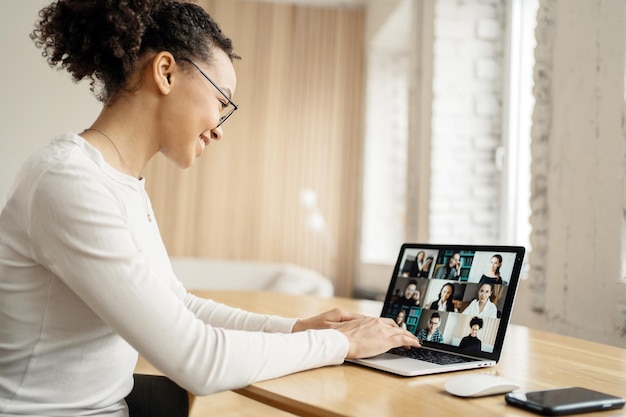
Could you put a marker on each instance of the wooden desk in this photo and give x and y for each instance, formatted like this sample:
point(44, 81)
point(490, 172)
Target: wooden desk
point(532, 358)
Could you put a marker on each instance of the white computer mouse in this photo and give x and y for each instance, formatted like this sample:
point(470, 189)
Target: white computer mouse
point(479, 385)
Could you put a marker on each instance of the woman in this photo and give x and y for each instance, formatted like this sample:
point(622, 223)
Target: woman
point(493, 275)
point(452, 269)
point(401, 319)
point(421, 266)
point(482, 306)
point(85, 280)
point(444, 301)
point(471, 342)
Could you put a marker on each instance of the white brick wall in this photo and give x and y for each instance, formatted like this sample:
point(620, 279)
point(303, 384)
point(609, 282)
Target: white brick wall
point(575, 283)
point(466, 121)
point(489, 29)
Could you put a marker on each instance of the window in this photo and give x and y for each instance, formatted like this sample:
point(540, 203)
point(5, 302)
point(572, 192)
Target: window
point(517, 122)
point(386, 138)
point(483, 58)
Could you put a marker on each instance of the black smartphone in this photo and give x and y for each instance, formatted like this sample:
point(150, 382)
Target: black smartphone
point(563, 401)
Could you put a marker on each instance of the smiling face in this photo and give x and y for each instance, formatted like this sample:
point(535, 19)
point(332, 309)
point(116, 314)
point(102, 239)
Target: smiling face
point(454, 260)
point(484, 293)
point(446, 292)
point(194, 107)
point(474, 330)
point(409, 291)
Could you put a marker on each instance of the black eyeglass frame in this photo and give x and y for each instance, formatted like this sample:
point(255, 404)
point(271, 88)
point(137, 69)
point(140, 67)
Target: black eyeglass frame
point(232, 103)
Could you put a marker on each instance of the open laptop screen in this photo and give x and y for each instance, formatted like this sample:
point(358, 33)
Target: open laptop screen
point(457, 297)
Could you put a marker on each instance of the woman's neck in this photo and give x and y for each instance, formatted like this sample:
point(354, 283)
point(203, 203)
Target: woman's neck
point(122, 140)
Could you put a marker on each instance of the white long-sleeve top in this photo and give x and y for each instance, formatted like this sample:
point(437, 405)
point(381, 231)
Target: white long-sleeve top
point(86, 283)
point(490, 309)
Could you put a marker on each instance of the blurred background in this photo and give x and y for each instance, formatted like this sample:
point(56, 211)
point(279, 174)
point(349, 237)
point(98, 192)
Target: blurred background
point(367, 123)
point(341, 104)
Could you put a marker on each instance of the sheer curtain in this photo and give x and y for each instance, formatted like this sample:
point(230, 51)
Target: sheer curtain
point(299, 127)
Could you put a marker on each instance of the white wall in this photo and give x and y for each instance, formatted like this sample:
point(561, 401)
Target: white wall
point(37, 102)
point(578, 198)
point(386, 132)
point(466, 121)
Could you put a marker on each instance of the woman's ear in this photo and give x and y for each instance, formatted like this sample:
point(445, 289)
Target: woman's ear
point(163, 71)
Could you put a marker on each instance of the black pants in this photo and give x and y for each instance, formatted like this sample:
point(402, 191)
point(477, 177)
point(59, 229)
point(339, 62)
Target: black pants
point(157, 396)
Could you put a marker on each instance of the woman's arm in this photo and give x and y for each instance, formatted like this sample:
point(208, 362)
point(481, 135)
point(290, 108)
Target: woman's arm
point(108, 254)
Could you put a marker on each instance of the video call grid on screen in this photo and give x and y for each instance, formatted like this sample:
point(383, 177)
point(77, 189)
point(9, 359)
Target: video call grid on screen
point(425, 272)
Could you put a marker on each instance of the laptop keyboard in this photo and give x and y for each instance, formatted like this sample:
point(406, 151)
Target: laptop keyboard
point(432, 356)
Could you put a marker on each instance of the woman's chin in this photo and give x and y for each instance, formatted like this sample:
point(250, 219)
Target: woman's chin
point(201, 144)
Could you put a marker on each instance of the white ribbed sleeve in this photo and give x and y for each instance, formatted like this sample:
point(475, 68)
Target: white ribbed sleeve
point(85, 284)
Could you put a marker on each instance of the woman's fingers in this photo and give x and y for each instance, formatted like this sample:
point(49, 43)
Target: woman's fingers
point(327, 320)
point(371, 336)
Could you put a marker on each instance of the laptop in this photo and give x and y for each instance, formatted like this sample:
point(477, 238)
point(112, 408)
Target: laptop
point(457, 299)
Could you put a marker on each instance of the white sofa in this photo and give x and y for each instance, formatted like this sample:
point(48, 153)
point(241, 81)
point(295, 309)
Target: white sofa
point(205, 273)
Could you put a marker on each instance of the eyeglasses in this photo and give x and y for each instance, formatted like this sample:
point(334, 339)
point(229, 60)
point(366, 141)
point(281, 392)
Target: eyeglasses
point(226, 110)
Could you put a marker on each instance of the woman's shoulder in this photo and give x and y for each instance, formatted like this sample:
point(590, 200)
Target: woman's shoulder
point(471, 307)
point(68, 169)
point(485, 279)
point(67, 150)
point(68, 158)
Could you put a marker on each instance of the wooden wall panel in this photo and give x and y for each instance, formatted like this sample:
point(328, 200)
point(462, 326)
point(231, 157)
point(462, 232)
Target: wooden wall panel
point(300, 91)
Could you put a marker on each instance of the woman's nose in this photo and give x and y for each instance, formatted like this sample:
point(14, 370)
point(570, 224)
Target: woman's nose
point(217, 133)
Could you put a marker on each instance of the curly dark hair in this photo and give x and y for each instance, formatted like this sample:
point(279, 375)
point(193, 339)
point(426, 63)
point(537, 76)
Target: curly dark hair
point(103, 40)
point(476, 321)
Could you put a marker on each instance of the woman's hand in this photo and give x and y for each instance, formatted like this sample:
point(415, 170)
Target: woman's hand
point(327, 320)
point(370, 336)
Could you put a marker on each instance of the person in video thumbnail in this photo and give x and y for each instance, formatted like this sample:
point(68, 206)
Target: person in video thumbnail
point(493, 276)
point(451, 270)
point(417, 298)
point(471, 342)
point(483, 306)
point(410, 298)
point(422, 265)
point(444, 302)
point(431, 333)
point(401, 319)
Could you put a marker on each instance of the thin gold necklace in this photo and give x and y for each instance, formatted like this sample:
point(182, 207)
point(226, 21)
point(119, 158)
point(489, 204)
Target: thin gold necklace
point(119, 155)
